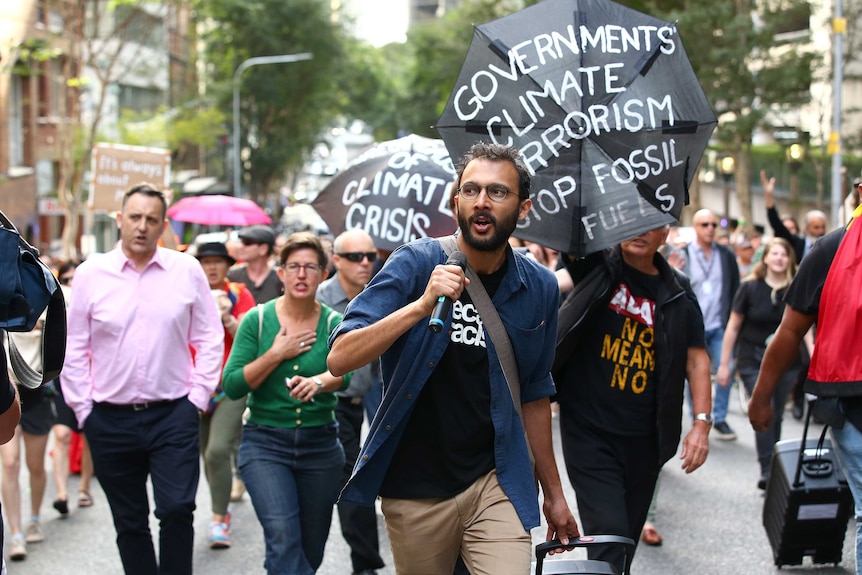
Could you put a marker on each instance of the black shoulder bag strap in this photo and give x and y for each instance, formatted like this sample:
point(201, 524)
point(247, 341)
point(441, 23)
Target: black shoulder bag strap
point(496, 331)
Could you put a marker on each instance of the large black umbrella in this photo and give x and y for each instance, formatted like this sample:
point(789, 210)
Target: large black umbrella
point(603, 104)
point(396, 191)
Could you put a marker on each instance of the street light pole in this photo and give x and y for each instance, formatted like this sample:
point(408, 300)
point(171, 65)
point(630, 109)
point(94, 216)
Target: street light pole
point(726, 167)
point(281, 59)
point(839, 28)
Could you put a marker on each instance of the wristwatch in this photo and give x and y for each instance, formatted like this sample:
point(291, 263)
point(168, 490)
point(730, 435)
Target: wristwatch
point(705, 417)
point(319, 383)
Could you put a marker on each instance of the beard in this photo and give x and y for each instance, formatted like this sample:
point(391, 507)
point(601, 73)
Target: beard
point(499, 238)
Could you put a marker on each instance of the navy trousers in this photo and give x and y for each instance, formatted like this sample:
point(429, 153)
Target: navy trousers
point(358, 522)
point(161, 442)
point(614, 478)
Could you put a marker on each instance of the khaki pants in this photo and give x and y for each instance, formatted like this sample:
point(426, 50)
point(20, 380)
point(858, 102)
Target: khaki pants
point(480, 523)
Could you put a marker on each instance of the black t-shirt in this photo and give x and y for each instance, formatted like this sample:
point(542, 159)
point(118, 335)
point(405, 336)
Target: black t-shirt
point(449, 439)
point(762, 313)
point(803, 295)
point(269, 289)
point(613, 372)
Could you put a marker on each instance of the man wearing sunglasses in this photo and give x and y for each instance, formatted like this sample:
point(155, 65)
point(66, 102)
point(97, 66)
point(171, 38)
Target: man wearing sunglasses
point(256, 272)
point(714, 275)
point(447, 450)
point(354, 256)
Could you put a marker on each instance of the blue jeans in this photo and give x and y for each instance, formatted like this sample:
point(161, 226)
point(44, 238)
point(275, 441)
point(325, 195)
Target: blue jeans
point(848, 440)
point(293, 476)
point(721, 395)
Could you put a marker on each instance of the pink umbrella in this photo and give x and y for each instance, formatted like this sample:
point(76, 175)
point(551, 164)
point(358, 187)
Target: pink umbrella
point(218, 210)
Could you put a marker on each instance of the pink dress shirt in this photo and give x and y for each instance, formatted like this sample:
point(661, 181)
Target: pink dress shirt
point(129, 333)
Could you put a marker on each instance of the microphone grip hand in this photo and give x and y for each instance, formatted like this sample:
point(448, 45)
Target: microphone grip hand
point(444, 304)
point(438, 316)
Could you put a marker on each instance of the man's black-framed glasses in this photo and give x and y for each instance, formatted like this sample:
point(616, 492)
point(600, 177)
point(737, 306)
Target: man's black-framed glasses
point(497, 192)
point(357, 257)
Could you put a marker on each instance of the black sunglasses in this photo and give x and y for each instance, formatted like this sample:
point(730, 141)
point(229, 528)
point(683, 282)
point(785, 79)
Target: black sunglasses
point(65, 280)
point(708, 225)
point(357, 257)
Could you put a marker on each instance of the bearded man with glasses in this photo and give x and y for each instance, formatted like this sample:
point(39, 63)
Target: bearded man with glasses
point(714, 275)
point(447, 450)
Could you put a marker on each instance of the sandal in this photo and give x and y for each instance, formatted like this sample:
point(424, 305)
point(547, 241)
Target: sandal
point(84, 499)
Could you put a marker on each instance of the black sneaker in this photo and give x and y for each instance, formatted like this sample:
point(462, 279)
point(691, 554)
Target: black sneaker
point(724, 431)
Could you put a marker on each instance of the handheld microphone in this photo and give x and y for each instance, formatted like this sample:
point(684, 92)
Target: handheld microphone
point(444, 304)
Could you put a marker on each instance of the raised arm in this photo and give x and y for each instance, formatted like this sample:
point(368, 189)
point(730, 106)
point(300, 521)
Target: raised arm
point(355, 348)
point(775, 222)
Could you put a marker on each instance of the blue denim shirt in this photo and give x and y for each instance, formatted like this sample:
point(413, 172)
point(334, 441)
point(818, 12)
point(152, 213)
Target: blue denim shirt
point(527, 301)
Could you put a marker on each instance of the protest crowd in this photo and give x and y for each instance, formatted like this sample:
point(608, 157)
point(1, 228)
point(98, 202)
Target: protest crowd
point(277, 360)
point(501, 345)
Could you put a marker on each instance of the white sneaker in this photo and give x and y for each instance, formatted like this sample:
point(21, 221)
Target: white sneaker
point(34, 532)
point(17, 548)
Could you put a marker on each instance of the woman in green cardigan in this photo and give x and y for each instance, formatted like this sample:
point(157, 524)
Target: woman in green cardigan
point(290, 457)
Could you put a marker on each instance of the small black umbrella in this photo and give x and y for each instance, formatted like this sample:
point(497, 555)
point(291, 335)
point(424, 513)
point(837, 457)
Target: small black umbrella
point(396, 191)
point(605, 108)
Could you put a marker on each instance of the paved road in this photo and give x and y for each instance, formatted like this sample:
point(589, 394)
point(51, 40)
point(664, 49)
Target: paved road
point(710, 521)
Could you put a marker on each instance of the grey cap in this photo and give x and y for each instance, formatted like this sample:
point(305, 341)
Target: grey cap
point(260, 234)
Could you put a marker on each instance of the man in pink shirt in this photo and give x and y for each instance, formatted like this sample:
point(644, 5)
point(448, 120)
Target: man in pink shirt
point(135, 389)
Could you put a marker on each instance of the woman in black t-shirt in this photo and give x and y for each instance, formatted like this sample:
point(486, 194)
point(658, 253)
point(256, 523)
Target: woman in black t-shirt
point(755, 315)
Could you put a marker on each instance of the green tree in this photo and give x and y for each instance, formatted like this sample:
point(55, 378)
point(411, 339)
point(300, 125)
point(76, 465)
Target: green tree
point(367, 80)
point(746, 70)
point(438, 49)
point(283, 107)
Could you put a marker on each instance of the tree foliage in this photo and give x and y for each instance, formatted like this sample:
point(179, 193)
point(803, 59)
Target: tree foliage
point(748, 69)
point(283, 107)
point(437, 51)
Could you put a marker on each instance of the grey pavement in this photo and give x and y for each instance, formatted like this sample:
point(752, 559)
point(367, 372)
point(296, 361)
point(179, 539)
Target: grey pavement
point(710, 520)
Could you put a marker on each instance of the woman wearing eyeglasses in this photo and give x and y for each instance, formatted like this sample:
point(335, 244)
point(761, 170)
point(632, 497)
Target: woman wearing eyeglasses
point(290, 458)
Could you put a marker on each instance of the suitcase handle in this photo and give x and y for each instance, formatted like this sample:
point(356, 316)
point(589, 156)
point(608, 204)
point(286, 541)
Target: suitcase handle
point(816, 467)
point(542, 549)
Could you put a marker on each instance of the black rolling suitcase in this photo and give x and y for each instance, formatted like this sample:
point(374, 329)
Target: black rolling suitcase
point(808, 502)
point(564, 566)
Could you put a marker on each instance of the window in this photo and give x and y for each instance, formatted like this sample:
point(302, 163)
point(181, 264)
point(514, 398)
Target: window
point(139, 99)
point(16, 122)
point(137, 26)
